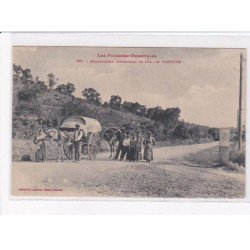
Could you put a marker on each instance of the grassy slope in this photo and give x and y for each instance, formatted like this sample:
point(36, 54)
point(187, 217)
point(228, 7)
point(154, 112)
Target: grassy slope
point(52, 100)
point(51, 103)
point(208, 158)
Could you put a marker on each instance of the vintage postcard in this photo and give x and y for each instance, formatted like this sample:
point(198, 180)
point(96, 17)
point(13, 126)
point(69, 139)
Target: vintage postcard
point(128, 122)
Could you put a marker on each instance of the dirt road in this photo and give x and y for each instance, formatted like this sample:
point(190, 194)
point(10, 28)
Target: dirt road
point(166, 153)
point(108, 178)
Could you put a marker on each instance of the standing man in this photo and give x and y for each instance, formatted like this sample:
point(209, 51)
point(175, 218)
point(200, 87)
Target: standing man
point(78, 135)
point(120, 136)
point(125, 148)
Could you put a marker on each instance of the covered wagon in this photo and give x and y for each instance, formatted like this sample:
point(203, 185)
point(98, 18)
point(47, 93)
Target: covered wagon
point(90, 143)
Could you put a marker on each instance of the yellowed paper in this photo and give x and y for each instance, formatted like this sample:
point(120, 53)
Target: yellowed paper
point(127, 122)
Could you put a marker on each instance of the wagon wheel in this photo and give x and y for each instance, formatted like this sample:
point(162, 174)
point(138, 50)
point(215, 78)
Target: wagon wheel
point(93, 145)
point(67, 149)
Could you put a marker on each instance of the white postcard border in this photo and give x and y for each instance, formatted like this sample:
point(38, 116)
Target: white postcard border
point(48, 205)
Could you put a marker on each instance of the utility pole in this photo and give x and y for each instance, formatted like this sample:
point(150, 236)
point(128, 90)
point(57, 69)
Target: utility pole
point(240, 106)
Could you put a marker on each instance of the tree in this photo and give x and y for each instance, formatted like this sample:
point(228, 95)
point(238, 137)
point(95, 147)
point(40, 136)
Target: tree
point(170, 117)
point(24, 74)
point(105, 104)
point(17, 70)
point(40, 83)
point(215, 133)
point(29, 92)
point(140, 109)
point(66, 89)
point(135, 108)
point(70, 88)
point(61, 88)
point(181, 131)
point(52, 80)
point(27, 75)
point(155, 113)
point(128, 106)
point(92, 96)
point(115, 102)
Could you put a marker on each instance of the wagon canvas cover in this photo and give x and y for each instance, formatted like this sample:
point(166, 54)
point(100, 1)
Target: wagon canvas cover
point(89, 125)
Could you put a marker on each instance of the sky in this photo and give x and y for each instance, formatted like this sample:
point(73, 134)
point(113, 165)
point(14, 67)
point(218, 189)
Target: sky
point(204, 84)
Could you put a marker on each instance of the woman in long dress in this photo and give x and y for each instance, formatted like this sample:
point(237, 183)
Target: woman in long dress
point(39, 140)
point(132, 149)
point(148, 142)
point(138, 148)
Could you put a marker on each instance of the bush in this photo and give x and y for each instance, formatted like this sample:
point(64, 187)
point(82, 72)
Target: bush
point(26, 158)
point(239, 157)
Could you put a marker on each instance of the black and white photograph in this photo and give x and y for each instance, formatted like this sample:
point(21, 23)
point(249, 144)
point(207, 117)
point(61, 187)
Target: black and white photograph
point(128, 122)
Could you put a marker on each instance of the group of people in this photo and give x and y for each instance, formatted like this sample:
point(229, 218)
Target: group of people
point(129, 146)
point(60, 138)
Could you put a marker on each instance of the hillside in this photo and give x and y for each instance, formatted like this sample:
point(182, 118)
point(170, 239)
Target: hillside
point(52, 105)
point(55, 103)
point(36, 103)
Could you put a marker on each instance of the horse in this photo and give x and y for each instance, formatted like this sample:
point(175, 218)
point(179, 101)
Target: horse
point(110, 137)
point(113, 144)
